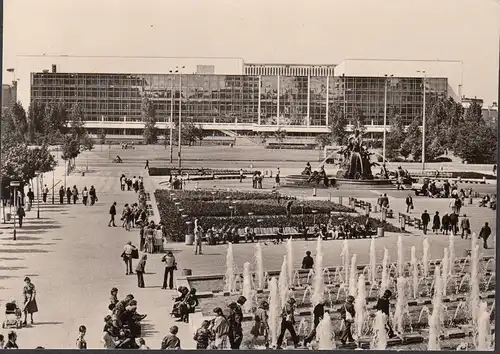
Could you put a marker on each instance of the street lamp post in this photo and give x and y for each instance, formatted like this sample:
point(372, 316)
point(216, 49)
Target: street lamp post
point(15, 185)
point(423, 118)
point(53, 186)
point(175, 72)
point(38, 174)
point(385, 116)
point(180, 121)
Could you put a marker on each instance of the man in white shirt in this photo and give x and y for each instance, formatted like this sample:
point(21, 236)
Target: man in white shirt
point(127, 256)
point(45, 191)
point(198, 235)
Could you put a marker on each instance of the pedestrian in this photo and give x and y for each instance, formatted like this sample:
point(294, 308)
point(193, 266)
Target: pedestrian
point(409, 203)
point(261, 324)
point(12, 341)
point(128, 249)
point(445, 223)
point(289, 208)
point(385, 201)
point(112, 214)
point(260, 177)
point(465, 226)
point(45, 192)
point(347, 314)
point(142, 342)
point(31, 196)
point(123, 182)
point(68, 195)
point(220, 330)
point(308, 261)
point(235, 323)
point(436, 222)
point(21, 214)
point(454, 223)
point(254, 180)
point(113, 299)
point(277, 178)
point(93, 195)
point(425, 221)
point(61, 195)
point(198, 238)
point(74, 193)
point(146, 167)
point(202, 335)
point(380, 199)
point(383, 306)
point(458, 205)
point(170, 266)
point(287, 322)
point(85, 196)
point(171, 341)
point(495, 169)
point(484, 234)
point(30, 304)
point(318, 314)
point(241, 175)
point(140, 270)
point(81, 343)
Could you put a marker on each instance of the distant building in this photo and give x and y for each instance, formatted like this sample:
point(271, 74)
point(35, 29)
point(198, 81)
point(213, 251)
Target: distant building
point(466, 101)
point(490, 113)
point(9, 95)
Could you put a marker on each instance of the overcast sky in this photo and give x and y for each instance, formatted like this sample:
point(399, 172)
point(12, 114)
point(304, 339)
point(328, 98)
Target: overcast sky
point(268, 31)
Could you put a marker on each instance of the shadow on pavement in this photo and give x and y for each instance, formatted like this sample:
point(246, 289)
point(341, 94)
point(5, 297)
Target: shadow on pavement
point(11, 268)
point(22, 250)
point(46, 323)
point(29, 244)
point(11, 259)
point(40, 227)
point(21, 238)
point(147, 329)
point(8, 276)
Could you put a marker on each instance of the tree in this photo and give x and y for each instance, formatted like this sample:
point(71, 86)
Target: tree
point(10, 135)
point(101, 134)
point(263, 137)
point(280, 135)
point(77, 129)
point(148, 115)
point(414, 140)
point(70, 148)
point(36, 116)
point(55, 122)
point(338, 127)
point(476, 143)
point(190, 134)
point(396, 135)
point(323, 140)
point(20, 121)
point(474, 113)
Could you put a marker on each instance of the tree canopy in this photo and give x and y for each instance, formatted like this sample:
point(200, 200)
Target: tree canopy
point(148, 115)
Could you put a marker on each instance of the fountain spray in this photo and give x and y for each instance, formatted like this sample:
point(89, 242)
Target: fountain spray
point(325, 334)
point(400, 305)
point(451, 250)
point(247, 287)
point(360, 306)
point(259, 265)
point(400, 256)
point(274, 310)
point(483, 338)
point(352, 276)
point(230, 271)
point(345, 259)
point(289, 259)
point(319, 282)
point(384, 285)
point(435, 317)
point(474, 281)
point(414, 272)
point(282, 281)
point(379, 340)
point(373, 262)
point(425, 257)
point(445, 262)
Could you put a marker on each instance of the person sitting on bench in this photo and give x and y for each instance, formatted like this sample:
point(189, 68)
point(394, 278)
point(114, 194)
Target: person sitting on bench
point(249, 235)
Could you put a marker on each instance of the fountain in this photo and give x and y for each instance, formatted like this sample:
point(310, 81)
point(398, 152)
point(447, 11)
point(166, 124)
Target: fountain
point(400, 256)
point(230, 270)
point(414, 272)
point(400, 305)
point(274, 310)
point(379, 339)
point(324, 334)
point(474, 281)
point(445, 274)
point(319, 282)
point(289, 259)
point(352, 277)
point(425, 257)
point(344, 254)
point(259, 264)
point(435, 318)
point(451, 250)
point(483, 337)
point(373, 262)
point(247, 287)
point(384, 285)
point(282, 281)
point(360, 306)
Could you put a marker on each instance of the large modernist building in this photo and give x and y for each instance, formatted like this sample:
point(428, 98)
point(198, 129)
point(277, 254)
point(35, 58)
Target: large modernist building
point(230, 96)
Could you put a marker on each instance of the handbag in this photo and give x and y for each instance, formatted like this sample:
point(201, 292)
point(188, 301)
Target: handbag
point(135, 253)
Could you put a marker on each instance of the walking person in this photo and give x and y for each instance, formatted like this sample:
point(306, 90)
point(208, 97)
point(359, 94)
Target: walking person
point(445, 223)
point(126, 217)
point(85, 196)
point(171, 341)
point(287, 322)
point(383, 305)
point(81, 343)
point(123, 182)
point(235, 328)
point(30, 305)
point(454, 223)
point(458, 205)
point(146, 167)
point(277, 178)
point(484, 234)
point(347, 314)
point(261, 324)
point(409, 203)
point(21, 214)
point(308, 261)
point(436, 223)
point(93, 195)
point(318, 313)
point(68, 195)
point(61, 195)
point(220, 329)
point(170, 266)
point(74, 193)
point(31, 196)
point(128, 249)
point(45, 192)
point(198, 237)
point(202, 335)
point(241, 175)
point(425, 221)
point(112, 214)
point(465, 226)
point(140, 270)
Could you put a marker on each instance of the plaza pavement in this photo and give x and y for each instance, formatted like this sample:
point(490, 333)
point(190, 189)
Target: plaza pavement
point(74, 260)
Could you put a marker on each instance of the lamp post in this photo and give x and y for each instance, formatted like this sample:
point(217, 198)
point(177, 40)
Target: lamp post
point(53, 186)
point(38, 174)
point(15, 185)
point(423, 118)
point(180, 122)
point(385, 116)
point(172, 113)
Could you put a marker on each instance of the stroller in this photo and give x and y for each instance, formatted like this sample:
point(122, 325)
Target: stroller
point(13, 315)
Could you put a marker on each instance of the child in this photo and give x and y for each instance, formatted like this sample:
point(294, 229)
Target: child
point(142, 344)
point(171, 341)
point(202, 336)
point(80, 341)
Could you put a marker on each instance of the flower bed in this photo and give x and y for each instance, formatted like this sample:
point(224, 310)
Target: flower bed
point(207, 195)
point(167, 171)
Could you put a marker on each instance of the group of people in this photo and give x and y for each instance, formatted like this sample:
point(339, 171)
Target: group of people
point(134, 183)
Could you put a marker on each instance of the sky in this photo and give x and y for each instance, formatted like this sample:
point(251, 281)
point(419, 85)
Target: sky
point(264, 31)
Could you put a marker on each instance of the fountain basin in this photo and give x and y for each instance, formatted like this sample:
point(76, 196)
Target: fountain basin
point(334, 182)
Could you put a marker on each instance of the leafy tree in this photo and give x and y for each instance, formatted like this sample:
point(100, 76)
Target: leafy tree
point(102, 136)
point(10, 135)
point(476, 143)
point(191, 133)
point(405, 149)
point(20, 121)
point(148, 115)
point(280, 135)
point(36, 116)
point(55, 120)
point(396, 134)
point(338, 126)
point(474, 113)
point(414, 139)
point(323, 140)
point(70, 148)
point(77, 129)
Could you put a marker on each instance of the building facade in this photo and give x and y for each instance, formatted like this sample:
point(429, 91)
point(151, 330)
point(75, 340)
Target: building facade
point(247, 99)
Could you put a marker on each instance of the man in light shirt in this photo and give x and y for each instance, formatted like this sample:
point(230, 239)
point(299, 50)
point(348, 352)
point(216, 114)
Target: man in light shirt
point(198, 237)
point(127, 256)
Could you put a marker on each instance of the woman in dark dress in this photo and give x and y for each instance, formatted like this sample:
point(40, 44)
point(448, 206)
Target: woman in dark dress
point(436, 223)
point(30, 305)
